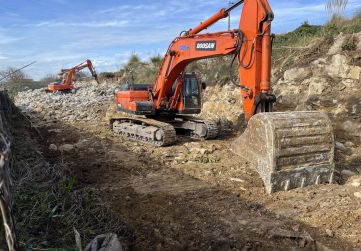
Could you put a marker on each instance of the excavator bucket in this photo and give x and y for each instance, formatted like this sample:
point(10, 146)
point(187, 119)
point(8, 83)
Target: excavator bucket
point(289, 149)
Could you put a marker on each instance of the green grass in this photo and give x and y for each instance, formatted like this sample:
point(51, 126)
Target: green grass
point(207, 159)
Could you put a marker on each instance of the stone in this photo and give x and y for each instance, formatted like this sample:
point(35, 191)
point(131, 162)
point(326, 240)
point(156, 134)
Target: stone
point(317, 86)
point(338, 66)
point(355, 72)
point(296, 74)
point(237, 180)
point(347, 173)
point(340, 146)
point(201, 151)
point(352, 128)
point(66, 148)
point(349, 144)
point(105, 242)
point(357, 195)
point(336, 48)
point(81, 143)
point(356, 182)
point(53, 147)
point(330, 233)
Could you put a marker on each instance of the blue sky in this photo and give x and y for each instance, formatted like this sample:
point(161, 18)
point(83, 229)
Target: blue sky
point(63, 33)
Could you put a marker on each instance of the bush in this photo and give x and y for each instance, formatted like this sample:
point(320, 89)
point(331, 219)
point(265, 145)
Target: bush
point(107, 75)
point(17, 81)
point(50, 78)
point(142, 72)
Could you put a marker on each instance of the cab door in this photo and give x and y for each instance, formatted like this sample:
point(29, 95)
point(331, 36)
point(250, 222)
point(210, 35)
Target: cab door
point(191, 92)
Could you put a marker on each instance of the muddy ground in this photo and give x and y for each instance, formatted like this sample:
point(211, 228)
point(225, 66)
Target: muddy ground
point(199, 195)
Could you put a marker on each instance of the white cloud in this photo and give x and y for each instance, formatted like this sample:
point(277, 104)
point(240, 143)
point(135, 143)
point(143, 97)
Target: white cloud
point(111, 23)
point(108, 36)
point(116, 9)
point(56, 58)
point(6, 39)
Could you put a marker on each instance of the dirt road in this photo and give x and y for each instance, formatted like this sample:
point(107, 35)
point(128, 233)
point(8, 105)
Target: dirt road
point(199, 196)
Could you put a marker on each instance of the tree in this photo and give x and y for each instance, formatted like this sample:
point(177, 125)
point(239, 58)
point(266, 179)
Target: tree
point(15, 81)
point(13, 75)
point(49, 78)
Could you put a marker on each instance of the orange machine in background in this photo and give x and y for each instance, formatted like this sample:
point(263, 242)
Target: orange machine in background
point(67, 77)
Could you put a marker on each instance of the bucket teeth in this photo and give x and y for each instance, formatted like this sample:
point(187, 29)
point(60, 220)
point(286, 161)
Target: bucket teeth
point(289, 149)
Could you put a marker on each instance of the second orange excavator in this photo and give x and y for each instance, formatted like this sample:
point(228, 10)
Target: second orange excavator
point(65, 83)
point(288, 149)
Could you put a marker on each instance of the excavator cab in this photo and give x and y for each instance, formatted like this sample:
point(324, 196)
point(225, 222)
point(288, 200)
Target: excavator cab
point(191, 94)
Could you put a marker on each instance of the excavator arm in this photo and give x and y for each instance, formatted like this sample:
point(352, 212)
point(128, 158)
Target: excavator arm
point(67, 75)
point(250, 45)
point(70, 72)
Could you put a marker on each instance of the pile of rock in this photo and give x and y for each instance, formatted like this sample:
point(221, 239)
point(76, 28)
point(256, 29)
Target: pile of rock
point(223, 102)
point(89, 103)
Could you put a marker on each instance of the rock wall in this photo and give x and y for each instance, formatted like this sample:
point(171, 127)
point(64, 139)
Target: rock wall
point(331, 84)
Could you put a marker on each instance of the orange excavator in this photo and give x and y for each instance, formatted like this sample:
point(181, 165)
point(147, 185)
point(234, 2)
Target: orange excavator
point(65, 84)
point(288, 149)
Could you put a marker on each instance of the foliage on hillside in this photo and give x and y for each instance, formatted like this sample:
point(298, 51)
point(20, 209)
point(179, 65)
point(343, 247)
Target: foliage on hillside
point(308, 42)
point(139, 71)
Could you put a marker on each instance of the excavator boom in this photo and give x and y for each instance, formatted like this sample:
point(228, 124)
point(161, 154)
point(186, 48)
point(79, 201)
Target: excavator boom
point(250, 44)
